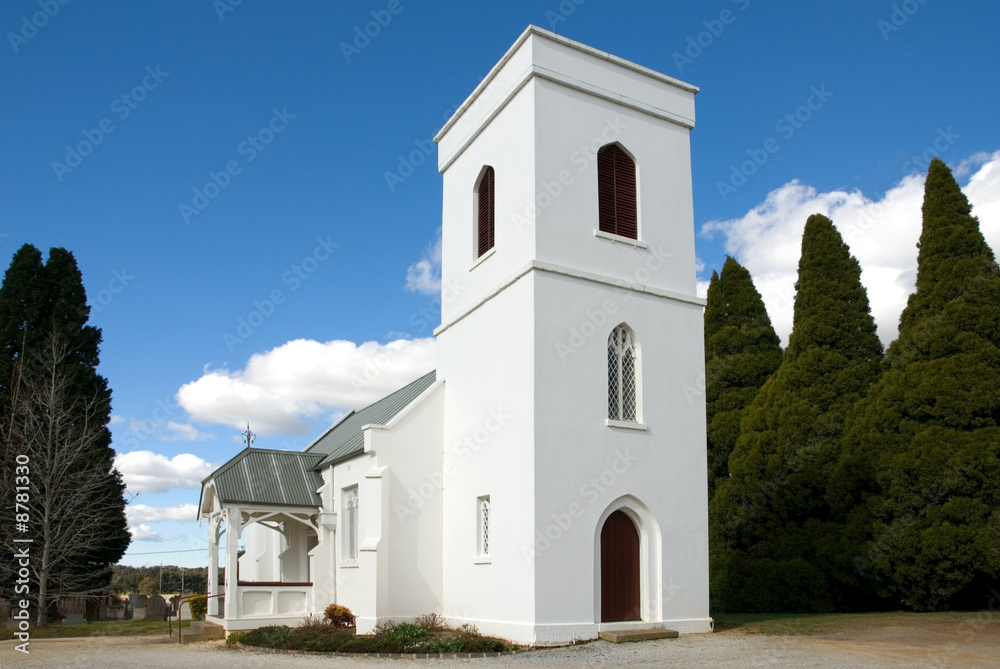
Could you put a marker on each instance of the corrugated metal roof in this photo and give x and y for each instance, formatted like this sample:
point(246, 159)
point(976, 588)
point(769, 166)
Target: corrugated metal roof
point(345, 439)
point(258, 476)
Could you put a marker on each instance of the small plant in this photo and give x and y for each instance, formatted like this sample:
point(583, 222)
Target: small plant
point(383, 626)
point(199, 606)
point(431, 622)
point(407, 637)
point(339, 616)
point(235, 637)
point(312, 622)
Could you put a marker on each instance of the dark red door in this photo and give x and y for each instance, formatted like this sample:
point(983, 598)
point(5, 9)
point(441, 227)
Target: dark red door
point(619, 569)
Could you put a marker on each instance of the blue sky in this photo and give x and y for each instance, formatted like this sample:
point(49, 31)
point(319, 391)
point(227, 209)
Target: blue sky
point(220, 174)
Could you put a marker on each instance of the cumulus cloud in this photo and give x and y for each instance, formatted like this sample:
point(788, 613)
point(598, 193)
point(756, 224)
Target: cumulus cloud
point(424, 276)
point(145, 471)
point(185, 432)
point(280, 389)
point(144, 533)
point(881, 232)
point(140, 513)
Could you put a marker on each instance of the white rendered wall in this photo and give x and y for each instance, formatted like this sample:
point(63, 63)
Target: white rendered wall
point(412, 506)
point(486, 362)
point(357, 580)
point(584, 465)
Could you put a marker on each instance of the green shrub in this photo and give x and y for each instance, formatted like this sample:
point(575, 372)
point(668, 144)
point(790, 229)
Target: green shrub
point(317, 640)
point(363, 644)
point(199, 606)
point(339, 616)
point(236, 637)
point(268, 637)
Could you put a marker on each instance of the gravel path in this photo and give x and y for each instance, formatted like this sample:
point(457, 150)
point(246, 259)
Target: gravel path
point(704, 651)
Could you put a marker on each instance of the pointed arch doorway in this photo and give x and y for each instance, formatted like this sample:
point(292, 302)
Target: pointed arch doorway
point(619, 569)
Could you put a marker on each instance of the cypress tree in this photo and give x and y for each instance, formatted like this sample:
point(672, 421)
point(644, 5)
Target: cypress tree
point(741, 352)
point(773, 531)
point(56, 409)
point(921, 467)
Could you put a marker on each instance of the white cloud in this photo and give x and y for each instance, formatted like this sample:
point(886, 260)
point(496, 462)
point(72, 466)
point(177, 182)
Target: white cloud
point(882, 234)
point(279, 389)
point(185, 432)
point(145, 471)
point(140, 513)
point(144, 533)
point(424, 276)
point(116, 420)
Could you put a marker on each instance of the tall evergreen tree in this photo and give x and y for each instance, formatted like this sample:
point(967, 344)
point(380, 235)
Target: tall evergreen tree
point(772, 529)
point(741, 352)
point(920, 475)
point(56, 409)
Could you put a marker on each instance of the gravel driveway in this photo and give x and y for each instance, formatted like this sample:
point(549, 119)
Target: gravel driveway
point(892, 648)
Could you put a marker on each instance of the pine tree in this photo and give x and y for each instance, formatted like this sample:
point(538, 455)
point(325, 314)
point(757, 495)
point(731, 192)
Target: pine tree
point(56, 409)
point(773, 531)
point(741, 352)
point(921, 468)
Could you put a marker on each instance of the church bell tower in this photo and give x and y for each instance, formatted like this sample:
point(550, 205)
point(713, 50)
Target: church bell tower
point(571, 348)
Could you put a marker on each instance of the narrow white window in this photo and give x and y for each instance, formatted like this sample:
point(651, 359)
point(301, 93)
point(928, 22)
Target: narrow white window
point(350, 524)
point(623, 385)
point(483, 506)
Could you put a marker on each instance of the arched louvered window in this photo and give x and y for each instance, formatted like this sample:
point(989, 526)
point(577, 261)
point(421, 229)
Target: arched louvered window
point(349, 524)
point(618, 212)
point(485, 211)
point(623, 382)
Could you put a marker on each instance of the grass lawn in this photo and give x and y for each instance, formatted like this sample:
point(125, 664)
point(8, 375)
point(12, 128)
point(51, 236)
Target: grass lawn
point(98, 628)
point(805, 624)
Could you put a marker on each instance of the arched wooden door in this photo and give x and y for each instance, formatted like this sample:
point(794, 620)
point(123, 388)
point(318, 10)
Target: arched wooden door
point(619, 569)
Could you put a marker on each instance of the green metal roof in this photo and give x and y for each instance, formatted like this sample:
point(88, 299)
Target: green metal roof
point(345, 439)
point(259, 476)
point(291, 478)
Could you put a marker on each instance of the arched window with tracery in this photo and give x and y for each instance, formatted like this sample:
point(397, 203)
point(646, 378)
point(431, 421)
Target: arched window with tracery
point(623, 382)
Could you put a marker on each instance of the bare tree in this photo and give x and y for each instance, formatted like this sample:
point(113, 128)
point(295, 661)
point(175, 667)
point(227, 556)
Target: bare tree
point(77, 509)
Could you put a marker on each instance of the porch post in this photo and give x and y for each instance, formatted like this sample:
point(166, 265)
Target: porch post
point(234, 528)
point(213, 565)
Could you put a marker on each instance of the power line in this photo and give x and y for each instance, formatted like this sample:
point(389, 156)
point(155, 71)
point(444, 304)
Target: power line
point(189, 550)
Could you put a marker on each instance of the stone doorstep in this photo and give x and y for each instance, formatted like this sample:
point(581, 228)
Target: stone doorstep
point(203, 631)
point(621, 636)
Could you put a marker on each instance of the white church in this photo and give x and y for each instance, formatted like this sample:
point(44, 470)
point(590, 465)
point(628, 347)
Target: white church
point(548, 480)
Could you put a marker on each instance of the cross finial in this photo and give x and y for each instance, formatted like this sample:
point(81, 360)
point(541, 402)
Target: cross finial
point(248, 436)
